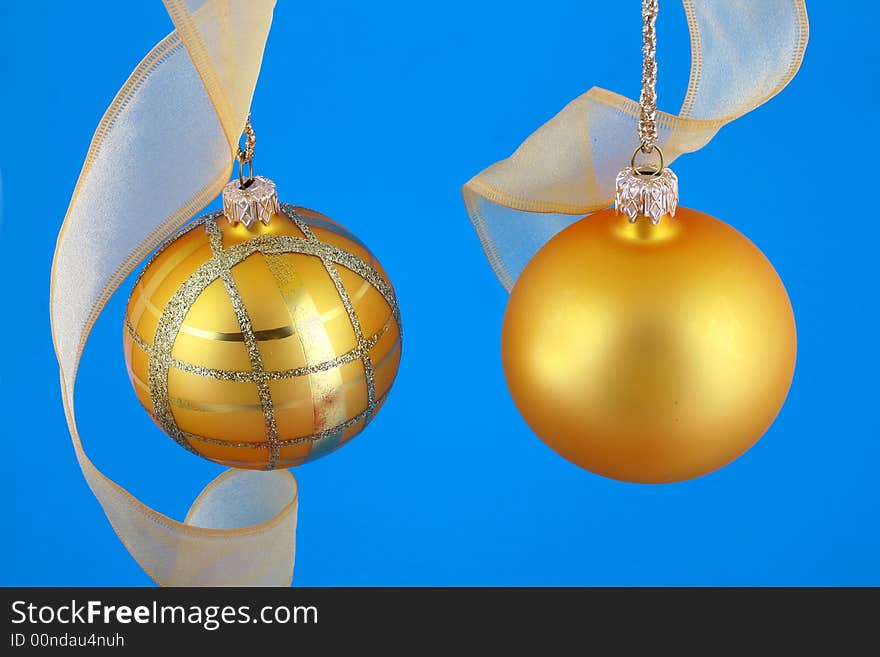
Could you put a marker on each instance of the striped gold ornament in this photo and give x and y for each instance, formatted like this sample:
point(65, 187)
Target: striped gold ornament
point(262, 346)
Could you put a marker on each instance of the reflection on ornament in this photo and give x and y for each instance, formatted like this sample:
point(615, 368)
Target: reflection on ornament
point(649, 353)
point(266, 342)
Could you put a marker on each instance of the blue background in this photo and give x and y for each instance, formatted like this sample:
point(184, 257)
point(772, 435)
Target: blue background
point(375, 114)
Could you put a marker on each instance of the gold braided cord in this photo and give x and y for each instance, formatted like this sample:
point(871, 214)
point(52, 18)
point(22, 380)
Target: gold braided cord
point(648, 97)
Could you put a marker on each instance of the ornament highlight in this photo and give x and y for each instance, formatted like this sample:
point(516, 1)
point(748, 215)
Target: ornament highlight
point(649, 352)
point(261, 340)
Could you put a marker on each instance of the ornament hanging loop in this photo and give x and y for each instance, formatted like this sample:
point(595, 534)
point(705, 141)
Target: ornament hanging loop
point(254, 199)
point(243, 182)
point(246, 155)
point(650, 170)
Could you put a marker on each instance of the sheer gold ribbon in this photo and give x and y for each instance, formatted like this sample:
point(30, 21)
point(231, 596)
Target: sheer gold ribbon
point(742, 54)
point(162, 151)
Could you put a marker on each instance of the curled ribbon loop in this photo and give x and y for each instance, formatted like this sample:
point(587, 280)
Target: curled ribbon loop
point(742, 54)
point(173, 126)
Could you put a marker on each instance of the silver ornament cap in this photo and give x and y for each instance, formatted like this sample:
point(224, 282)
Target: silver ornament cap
point(255, 200)
point(646, 191)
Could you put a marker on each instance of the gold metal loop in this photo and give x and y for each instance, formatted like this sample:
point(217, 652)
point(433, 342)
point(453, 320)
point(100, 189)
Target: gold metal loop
point(246, 155)
point(649, 171)
point(243, 182)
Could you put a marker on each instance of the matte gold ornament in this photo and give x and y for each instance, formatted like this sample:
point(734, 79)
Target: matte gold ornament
point(263, 338)
point(649, 353)
point(643, 347)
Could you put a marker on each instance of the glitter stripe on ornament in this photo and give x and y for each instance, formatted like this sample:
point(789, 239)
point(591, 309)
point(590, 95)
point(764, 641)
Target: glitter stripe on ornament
point(369, 372)
point(250, 341)
point(245, 376)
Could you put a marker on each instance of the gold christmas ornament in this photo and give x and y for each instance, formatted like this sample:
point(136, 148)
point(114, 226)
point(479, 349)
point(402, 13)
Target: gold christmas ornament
point(646, 348)
point(263, 336)
point(649, 353)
